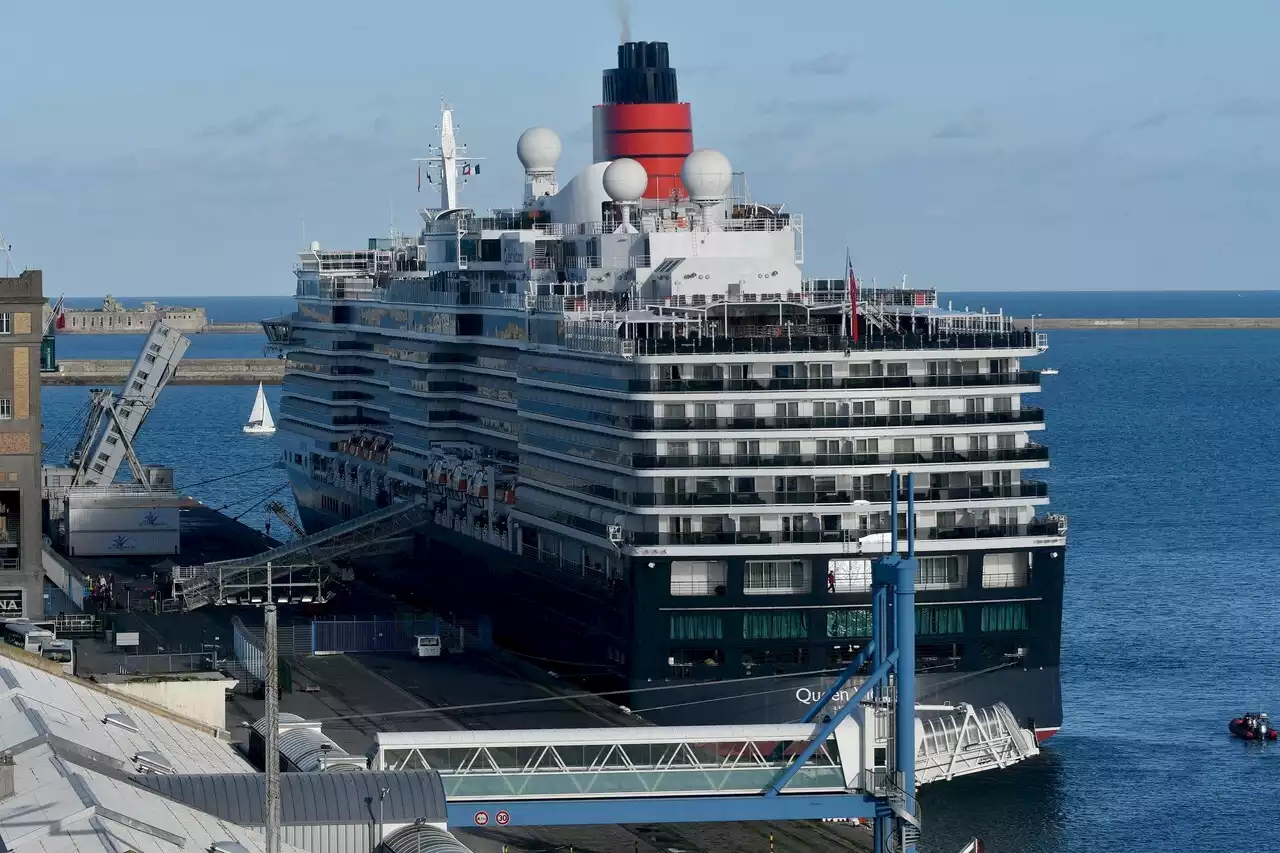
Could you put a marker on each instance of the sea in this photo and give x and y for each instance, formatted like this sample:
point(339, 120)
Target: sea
point(1165, 458)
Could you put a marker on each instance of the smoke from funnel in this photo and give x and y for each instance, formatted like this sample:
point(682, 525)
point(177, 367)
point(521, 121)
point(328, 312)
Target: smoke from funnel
point(622, 8)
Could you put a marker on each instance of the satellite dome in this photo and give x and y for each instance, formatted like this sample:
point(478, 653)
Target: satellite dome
point(538, 149)
point(625, 180)
point(707, 175)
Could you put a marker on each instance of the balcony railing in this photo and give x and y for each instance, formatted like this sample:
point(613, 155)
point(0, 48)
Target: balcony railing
point(1029, 453)
point(1037, 528)
point(1024, 489)
point(1017, 339)
point(814, 383)
point(1027, 414)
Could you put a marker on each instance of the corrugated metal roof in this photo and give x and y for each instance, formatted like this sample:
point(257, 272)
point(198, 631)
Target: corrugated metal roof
point(309, 798)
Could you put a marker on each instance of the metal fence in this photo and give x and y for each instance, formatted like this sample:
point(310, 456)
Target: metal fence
point(246, 647)
point(162, 663)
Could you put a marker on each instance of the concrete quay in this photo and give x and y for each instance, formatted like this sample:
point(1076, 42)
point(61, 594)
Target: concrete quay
point(191, 371)
point(1154, 323)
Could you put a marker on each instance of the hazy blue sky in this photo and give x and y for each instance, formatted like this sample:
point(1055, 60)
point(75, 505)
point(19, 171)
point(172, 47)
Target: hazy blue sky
point(178, 148)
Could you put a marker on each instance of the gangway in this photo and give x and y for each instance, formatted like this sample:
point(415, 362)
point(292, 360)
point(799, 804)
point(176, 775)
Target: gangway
point(99, 452)
point(225, 580)
point(550, 777)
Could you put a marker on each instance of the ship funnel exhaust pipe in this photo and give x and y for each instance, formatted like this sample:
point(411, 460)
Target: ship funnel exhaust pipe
point(641, 117)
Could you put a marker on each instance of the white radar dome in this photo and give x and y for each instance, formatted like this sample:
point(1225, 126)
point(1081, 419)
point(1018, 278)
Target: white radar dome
point(538, 149)
point(625, 180)
point(707, 175)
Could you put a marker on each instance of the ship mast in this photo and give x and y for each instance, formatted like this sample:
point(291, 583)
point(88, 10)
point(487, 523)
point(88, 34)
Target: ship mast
point(448, 160)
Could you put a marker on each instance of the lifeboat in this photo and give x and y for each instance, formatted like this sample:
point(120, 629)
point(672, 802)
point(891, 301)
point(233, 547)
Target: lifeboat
point(458, 479)
point(1252, 727)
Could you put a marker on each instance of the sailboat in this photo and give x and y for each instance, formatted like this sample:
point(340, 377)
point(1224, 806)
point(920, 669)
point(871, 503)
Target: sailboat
point(260, 422)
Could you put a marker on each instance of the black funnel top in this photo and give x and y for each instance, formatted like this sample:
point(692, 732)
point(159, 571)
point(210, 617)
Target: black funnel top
point(644, 75)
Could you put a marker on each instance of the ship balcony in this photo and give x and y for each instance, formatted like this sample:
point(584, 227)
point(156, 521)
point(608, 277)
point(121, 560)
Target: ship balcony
point(1024, 415)
point(757, 499)
point(1015, 339)
point(1029, 453)
point(1048, 527)
point(848, 383)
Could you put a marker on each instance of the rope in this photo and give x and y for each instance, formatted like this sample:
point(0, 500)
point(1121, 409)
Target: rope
point(228, 476)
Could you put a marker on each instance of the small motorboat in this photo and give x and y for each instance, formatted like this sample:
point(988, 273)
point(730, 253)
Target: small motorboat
point(1049, 371)
point(1252, 727)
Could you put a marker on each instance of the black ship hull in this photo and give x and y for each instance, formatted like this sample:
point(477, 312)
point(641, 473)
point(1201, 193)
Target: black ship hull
point(585, 629)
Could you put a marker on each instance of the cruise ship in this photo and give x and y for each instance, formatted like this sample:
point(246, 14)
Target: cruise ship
point(654, 451)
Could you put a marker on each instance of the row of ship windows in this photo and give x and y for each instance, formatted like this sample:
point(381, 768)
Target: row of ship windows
point(841, 408)
point(931, 620)
point(843, 575)
point(828, 370)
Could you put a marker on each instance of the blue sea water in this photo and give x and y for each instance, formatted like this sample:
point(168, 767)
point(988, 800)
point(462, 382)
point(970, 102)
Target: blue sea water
point(198, 430)
point(1164, 455)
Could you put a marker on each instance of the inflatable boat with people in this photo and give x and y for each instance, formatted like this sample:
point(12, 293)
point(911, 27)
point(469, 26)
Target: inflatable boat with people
point(1252, 727)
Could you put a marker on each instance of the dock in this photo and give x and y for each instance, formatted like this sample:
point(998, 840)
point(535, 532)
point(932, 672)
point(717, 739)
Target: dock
point(192, 371)
point(1154, 323)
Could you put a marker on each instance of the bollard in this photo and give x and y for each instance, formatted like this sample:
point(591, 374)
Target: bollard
point(771, 842)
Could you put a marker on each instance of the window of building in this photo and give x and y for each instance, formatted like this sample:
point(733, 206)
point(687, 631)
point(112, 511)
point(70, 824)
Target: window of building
point(777, 658)
point(697, 577)
point(6, 323)
point(941, 572)
point(788, 448)
point(940, 619)
point(1006, 570)
point(859, 369)
point(775, 625)
point(1004, 617)
point(848, 575)
point(776, 577)
point(6, 409)
point(896, 368)
point(899, 407)
point(683, 661)
point(697, 626)
point(849, 623)
point(939, 407)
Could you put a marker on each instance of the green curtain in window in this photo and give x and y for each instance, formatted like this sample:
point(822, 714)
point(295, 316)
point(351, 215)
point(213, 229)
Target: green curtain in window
point(775, 625)
point(940, 619)
point(696, 626)
point(848, 623)
point(1004, 617)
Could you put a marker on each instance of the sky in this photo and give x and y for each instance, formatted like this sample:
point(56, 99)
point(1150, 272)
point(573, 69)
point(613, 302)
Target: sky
point(183, 149)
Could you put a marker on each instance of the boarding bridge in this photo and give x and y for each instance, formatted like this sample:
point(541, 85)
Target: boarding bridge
point(297, 565)
point(99, 451)
point(549, 777)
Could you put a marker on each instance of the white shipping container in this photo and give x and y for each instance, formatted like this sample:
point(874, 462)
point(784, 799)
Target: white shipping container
point(94, 543)
point(123, 519)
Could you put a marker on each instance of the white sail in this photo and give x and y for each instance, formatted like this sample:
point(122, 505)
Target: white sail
point(260, 417)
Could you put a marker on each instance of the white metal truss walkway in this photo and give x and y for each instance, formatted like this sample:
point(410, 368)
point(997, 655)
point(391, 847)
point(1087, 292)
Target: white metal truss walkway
point(550, 776)
point(216, 583)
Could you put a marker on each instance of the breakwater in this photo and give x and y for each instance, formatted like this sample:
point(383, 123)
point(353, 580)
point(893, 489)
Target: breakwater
point(1154, 323)
point(141, 329)
point(191, 371)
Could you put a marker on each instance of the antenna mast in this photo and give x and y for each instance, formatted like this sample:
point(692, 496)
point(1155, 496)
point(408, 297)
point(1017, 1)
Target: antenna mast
point(8, 256)
point(448, 160)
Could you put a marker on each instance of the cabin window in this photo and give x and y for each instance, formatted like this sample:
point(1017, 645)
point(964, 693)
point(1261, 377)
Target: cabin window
point(940, 619)
point(697, 577)
point(697, 626)
point(776, 577)
point(941, 572)
point(775, 625)
point(1004, 617)
point(848, 623)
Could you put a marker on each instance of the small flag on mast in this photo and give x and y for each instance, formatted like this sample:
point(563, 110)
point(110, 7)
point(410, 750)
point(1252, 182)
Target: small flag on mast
point(419, 179)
